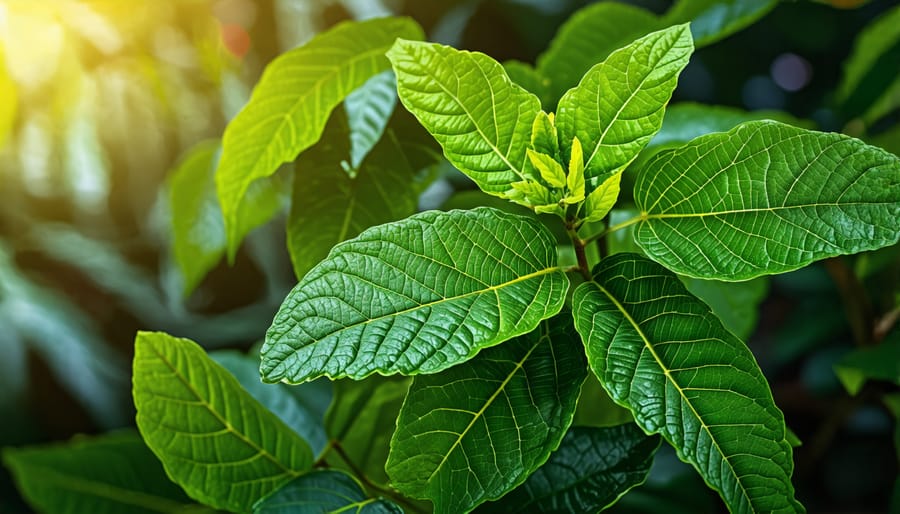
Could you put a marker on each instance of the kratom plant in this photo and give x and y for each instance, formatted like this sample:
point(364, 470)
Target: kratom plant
point(497, 320)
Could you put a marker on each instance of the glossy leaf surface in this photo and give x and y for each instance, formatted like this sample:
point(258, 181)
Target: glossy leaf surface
point(481, 119)
point(416, 296)
point(589, 471)
point(663, 354)
point(294, 99)
point(766, 198)
point(474, 432)
point(619, 104)
point(326, 492)
point(216, 441)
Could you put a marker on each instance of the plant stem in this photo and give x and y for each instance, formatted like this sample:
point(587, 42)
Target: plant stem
point(856, 302)
point(579, 245)
point(390, 493)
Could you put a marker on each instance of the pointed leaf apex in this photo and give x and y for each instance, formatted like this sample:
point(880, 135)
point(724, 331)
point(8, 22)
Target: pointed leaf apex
point(551, 171)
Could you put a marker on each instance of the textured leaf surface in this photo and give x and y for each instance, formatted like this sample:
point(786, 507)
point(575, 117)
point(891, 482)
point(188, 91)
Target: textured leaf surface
point(369, 109)
point(766, 198)
point(619, 104)
point(466, 101)
point(108, 474)
point(589, 471)
point(293, 100)
point(586, 38)
point(712, 20)
point(416, 296)
point(474, 432)
point(326, 492)
point(216, 441)
point(662, 353)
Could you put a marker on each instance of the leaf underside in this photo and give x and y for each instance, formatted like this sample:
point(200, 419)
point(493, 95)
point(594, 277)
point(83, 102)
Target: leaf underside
point(662, 354)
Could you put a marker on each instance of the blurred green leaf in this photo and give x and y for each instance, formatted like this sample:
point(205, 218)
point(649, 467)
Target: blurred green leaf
point(9, 101)
point(529, 78)
point(736, 304)
point(107, 474)
point(326, 492)
point(368, 111)
point(712, 20)
point(214, 439)
point(881, 362)
point(870, 74)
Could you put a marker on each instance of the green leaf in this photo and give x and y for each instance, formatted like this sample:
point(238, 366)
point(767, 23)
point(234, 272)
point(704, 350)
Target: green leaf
point(765, 198)
point(526, 76)
point(529, 193)
point(592, 468)
point(865, 70)
point(9, 101)
point(369, 109)
point(713, 20)
point(416, 296)
point(661, 352)
point(586, 38)
point(323, 491)
point(881, 362)
point(575, 178)
point(362, 418)
point(330, 206)
point(112, 473)
point(217, 442)
point(480, 118)
point(619, 104)
point(543, 135)
point(292, 102)
point(551, 170)
point(601, 200)
point(474, 432)
point(736, 304)
point(302, 408)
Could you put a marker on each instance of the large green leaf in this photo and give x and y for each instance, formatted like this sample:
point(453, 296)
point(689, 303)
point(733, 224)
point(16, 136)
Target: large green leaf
point(870, 71)
point(474, 432)
point(331, 206)
point(216, 441)
point(292, 102)
point(416, 296)
point(661, 352)
point(369, 109)
point(465, 99)
point(712, 20)
point(362, 418)
point(586, 38)
point(589, 471)
point(112, 473)
point(325, 492)
point(736, 304)
point(766, 198)
point(619, 104)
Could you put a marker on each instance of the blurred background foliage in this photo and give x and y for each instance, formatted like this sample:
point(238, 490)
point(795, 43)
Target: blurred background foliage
point(101, 99)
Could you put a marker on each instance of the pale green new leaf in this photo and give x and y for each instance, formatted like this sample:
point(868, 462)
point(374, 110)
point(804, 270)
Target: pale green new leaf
point(416, 296)
point(550, 169)
point(368, 110)
point(601, 200)
point(326, 492)
point(292, 102)
point(712, 20)
point(663, 354)
point(214, 440)
point(589, 471)
point(586, 38)
point(108, 474)
point(474, 432)
point(544, 138)
point(619, 104)
point(765, 198)
point(466, 101)
point(575, 178)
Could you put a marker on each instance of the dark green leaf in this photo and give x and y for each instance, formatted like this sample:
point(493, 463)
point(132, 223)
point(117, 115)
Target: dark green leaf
point(766, 198)
point(325, 492)
point(866, 87)
point(592, 468)
point(416, 296)
point(736, 304)
point(712, 20)
point(661, 352)
point(216, 441)
point(880, 362)
point(475, 431)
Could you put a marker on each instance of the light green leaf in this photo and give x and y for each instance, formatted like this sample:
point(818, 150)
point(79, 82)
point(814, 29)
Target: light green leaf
point(766, 198)
point(362, 418)
point(465, 100)
point(662, 353)
point(736, 304)
point(713, 20)
point(9, 101)
point(292, 102)
point(591, 469)
point(881, 362)
point(330, 206)
point(111, 473)
point(551, 170)
point(326, 492)
point(872, 45)
point(474, 432)
point(368, 110)
point(529, 193)
point(416, 296)
point(526, 76)
point(214, 440)
point(575, 178)
point(601, 200)
point(619, 104)
point(543, 135)
point(586, 38)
